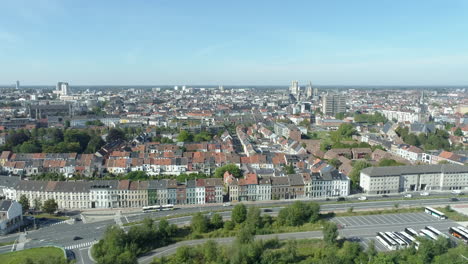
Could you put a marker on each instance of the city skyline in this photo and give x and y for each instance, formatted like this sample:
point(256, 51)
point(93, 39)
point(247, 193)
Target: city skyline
point(269, 43)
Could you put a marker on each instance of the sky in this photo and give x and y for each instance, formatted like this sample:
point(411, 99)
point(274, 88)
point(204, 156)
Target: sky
point(86, 42)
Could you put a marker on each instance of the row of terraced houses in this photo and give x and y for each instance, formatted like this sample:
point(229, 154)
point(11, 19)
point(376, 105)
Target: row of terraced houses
point(124, 193)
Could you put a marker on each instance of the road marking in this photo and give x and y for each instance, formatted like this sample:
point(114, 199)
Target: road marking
point(354, 222)
point(81, 245)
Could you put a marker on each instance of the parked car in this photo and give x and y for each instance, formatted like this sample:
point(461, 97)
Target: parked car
point(341, 199)
point(408, 195)
point(424, 194)
point(362, 198)
point(456, 192)
point(226, 204)
point(385, 196)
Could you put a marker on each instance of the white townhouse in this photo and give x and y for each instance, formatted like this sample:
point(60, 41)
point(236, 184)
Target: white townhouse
point(264, 189)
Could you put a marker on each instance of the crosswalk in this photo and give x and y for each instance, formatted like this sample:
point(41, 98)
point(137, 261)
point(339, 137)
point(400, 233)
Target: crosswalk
point(81, 245)
point(58, 223)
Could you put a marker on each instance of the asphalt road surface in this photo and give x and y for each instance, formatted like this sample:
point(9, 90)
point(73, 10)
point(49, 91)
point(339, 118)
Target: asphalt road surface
point(62, 234)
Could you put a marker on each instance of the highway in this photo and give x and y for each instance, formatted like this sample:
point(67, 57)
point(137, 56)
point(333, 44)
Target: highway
point(89, 232)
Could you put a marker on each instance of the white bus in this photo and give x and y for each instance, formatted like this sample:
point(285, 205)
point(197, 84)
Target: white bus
point(411, 231)
point(463, 229)
point(428, 234)
point(456, 232)
point(435, 231)
point(434, 212)
point(167, 207)
point(386, 241)
point(399, 241)
point(151, 208)
point(410, 238)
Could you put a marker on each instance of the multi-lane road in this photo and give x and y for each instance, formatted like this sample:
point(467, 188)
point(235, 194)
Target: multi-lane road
point(63, 234)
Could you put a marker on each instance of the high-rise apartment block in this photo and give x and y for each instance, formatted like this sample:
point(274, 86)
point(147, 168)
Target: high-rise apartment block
point(309, 91)
point(62, 88)
point(333, 104)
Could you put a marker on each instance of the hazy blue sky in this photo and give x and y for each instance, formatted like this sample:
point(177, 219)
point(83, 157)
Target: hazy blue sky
point(234, 42)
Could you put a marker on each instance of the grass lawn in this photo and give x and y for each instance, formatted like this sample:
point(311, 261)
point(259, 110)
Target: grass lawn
point(51, 216)
point(378, 212)
point(306, 247)
point(452, 214)
point(6, 243)
point(45, 254)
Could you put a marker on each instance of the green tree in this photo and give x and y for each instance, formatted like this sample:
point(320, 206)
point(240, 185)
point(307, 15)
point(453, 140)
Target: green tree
point(17, 138)
point(217, 221)
point(335, 162)
point(330, 233)
point(184, 136)
point(458, 132)
point(202, 136)
point(389, 162)
point(411, 139)
point(199, 223)
point(94, 144)
point(115, 134)
point(345, 131)
point(239, 213)
point(30, 147)
point(298, 213)
point(77, 136)
point(229, 225)
point(37, 204)
point(50, 206)
point(24, 201)
point(254, 219)
point(355, 173)
point(289, 169)
point(232, 168)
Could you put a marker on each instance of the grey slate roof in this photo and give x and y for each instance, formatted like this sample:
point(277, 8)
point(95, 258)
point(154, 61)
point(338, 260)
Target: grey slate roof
point(386, 128)
point(5, 205)
point(296, 179)
point(72, 187)
point(9, 181)
point(107, 184)
point(279, 181)
point(32, 186)
point(415, 169)
point(191, 184)
point(422, 128)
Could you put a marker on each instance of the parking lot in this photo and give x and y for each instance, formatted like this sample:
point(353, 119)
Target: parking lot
point(364, 228)
point(386, 219)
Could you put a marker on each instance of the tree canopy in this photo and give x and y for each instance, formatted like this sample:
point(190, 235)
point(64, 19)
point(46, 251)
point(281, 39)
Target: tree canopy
point(115, 134)
point(232, 168)
point(239, 213)
point(50, 206)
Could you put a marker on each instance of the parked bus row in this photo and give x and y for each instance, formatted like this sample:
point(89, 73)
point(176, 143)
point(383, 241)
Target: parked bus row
point(406, 238)
point(156, 208)
point(398, 240)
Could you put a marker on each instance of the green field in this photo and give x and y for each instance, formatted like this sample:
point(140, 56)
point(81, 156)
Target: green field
point(452, 214)
point(44, 255)
point(49, 216)
point(6, 243)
